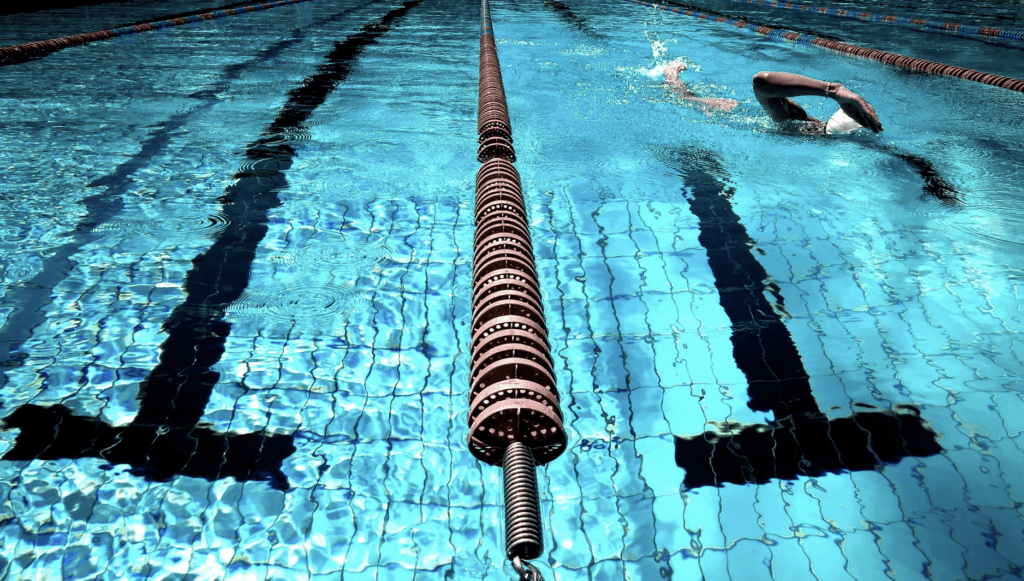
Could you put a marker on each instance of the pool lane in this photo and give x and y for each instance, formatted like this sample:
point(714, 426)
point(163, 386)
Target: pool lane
point(893, 59)
point(996, 55)
point(163, 439)
point(20, 53)
point(912, 23)
point(381, 482)
point(801, 440)
point(675, 237)
point(29, 299)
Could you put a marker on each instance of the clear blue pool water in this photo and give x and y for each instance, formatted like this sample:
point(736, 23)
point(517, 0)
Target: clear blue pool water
point(663, 235)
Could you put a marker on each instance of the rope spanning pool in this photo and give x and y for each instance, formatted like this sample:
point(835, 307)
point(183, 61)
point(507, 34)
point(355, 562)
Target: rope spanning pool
point(896, 60)
point(21, 52)
point(512, 373)
point(278, 297)
point(916, 23)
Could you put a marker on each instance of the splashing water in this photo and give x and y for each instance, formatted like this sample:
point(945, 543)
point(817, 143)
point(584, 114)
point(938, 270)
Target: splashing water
point(658, 48)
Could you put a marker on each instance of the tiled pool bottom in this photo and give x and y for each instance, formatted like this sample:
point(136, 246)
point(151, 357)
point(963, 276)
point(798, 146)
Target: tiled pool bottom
point(370, 378)
point(382, 488)
point(375, 483)
point(867, 517)
point(949, 516)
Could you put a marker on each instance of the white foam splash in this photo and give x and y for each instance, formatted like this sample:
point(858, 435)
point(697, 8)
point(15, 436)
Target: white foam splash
point(658, 70)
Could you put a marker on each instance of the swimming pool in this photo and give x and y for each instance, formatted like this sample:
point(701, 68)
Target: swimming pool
point(333, 349)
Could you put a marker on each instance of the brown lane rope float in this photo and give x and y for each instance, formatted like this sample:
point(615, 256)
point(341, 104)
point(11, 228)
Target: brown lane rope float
point(915, 23)
point(514, 416)
point(889, 58)
point(20, 53)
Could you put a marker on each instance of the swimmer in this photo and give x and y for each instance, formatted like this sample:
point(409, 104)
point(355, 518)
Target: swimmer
point(773, 91)
point(683, 92)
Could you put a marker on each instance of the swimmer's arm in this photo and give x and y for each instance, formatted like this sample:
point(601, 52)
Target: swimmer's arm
point(774, 89)
point(684, 92)
point(777, 85)
point(708, 103)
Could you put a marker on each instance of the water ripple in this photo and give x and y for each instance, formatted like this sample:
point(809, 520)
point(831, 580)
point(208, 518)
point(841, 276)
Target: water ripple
point(169, 226)
point(343, 257)
point(288, 135)
point(322, 119)
point(19, 267)
point(462, 292)
point(319, 310)
point(256, 168)
point(315, 163)
point(991, 222)
point(977, 208)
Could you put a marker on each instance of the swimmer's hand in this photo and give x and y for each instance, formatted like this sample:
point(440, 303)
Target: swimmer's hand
point(857, 108)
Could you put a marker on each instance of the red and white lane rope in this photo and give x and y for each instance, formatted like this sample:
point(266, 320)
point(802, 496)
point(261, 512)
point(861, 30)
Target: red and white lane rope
point(22, 52)
point(896, 60)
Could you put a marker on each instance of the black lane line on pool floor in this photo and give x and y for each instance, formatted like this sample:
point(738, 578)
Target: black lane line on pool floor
point(801, 441)
point(29, 299)
point(163, 440)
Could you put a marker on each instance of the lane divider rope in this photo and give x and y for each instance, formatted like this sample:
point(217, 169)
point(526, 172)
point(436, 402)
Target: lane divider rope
point(929, 25)
point(514, 416)
point(896, 60)
point(23, 52)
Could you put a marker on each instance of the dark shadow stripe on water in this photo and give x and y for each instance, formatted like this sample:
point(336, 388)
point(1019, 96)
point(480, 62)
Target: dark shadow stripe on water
point(762, 345)
point(573, 19)
point(934, 184)
point(220, 275)
point(801, 440)
point(29, 299)
point(163, 440)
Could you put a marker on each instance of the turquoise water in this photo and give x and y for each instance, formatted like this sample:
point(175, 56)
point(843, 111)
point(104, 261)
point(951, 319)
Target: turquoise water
point(348, 325)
